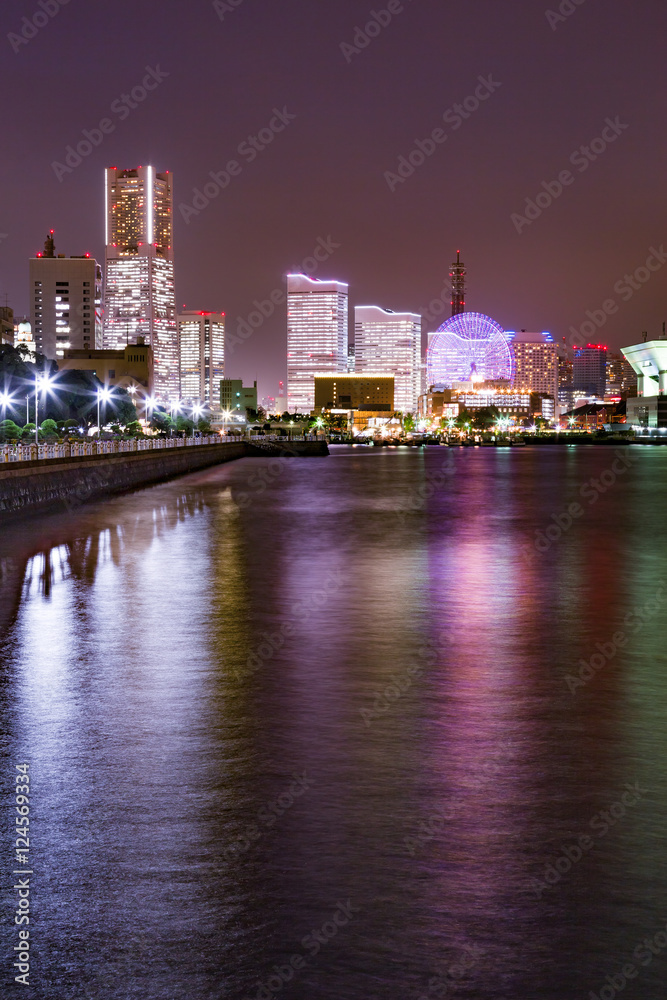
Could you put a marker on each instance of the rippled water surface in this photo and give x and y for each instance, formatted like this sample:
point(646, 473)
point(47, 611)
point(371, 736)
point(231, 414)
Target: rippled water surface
point(378, 725)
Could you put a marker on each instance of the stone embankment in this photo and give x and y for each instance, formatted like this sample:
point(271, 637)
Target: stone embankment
point(67, 481)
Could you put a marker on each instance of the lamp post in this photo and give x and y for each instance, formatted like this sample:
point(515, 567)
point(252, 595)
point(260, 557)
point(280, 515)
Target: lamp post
point(41, 382)
point(103, 395)
point(149, 407)
point(197, 411)
point(5, 399)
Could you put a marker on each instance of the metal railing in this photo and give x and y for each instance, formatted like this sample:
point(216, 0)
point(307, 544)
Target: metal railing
point(79, 449)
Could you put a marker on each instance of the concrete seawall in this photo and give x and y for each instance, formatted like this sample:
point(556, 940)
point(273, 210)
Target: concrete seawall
point(66, 483)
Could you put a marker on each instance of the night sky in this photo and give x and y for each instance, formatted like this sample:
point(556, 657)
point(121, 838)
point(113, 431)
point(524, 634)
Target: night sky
point(323, 176)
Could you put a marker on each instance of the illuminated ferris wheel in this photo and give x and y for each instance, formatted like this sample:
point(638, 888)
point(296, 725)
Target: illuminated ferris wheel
point(469, 347)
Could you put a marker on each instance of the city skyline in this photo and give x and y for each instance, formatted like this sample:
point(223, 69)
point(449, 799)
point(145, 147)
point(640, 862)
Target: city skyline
point(394, 247)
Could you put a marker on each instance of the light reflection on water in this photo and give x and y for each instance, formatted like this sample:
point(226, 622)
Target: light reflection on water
point(174, 658)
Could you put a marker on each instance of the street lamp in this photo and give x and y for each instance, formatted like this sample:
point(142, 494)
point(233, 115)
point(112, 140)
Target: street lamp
point(149, 407)
point(197, 411)
point(104, 395)
point(226, 414)
point(43, 382)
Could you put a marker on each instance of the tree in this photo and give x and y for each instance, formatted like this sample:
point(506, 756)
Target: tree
point(486, 417)
point(122, 407)
point(49, 428)
point(28, 432)
point(9, 431)
point(162, 422)
point(464, 417)
point(408, 422)
point(184, 425)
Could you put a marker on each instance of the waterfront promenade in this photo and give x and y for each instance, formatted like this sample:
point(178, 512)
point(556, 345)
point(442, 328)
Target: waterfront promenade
point(51, 476)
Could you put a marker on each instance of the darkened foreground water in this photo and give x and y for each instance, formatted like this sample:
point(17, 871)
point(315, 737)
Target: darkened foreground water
point(296, 729)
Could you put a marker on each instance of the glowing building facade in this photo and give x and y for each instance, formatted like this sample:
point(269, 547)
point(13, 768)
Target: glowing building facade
point(386, 341)
point(65, 301)
point(139, 298)
point(535, 363)
point(469, 347)
point(317, 317)
point(589, 370)
point(201, 345)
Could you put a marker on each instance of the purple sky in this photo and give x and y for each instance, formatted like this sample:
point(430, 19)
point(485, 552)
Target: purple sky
point(356, 113)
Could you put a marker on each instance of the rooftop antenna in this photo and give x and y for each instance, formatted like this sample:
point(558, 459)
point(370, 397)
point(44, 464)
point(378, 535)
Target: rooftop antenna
point(49, 245)
point(457, 273)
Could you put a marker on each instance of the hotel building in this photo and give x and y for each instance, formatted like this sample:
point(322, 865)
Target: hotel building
point(317, 318)
point(388, 341)
point(139, 295)
point(201, 345)
point(535, 363)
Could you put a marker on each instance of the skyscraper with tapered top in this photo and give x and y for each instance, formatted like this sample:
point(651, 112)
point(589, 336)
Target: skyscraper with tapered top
point(139, 298)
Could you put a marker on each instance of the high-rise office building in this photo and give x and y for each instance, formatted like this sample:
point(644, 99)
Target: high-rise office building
point(65, 301)
point(535, 363)
point(386, 341)
point(316, 335)
point(139, 293)
point(589, 370)
point(201, 344)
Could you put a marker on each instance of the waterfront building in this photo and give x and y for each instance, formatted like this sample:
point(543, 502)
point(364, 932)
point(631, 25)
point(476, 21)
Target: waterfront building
point(65, 301)
point(535, 363)
point(131, 368)
point(236, 398)
point(201, 346)
point(649, 362)
point(317, 335)
point(436, 404)
point(370, 391)
point(139, 294)
point(469, 347)
point(589, 417)
point(508, 403)
point(589, 370)
point(390, 341)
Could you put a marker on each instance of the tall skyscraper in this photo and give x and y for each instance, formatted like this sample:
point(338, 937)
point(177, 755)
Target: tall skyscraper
point(316, 335)
point(139, 296)
point(387, 341)
point(535, 363)
point(589, 370)
point(65, 301)
point(201, 340)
